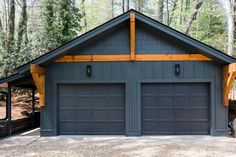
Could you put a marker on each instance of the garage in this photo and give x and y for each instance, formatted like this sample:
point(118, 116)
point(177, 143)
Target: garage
point(91, 109)
point(181, 108)
point(130, 76)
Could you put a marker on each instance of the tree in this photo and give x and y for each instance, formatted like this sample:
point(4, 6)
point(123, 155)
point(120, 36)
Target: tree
point(62, 22)
point(193, 16)
point(160, 10)
point(22, 28)
point(229, 8)
point(11, 27)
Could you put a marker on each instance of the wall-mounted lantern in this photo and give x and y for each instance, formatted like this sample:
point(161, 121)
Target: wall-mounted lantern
point(177, 69)
point(89, 70)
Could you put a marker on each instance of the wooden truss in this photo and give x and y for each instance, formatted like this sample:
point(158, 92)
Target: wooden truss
point(229, 75)
point(38, 74)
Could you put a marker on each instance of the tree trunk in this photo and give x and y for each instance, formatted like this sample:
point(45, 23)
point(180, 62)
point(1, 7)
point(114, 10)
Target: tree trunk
point(123, 6)
point(172, 12)
point(112, 8)
point(193, 16)
point(84, 15)
point(127, 6)
point(11, 27)
point(229, 7)
point(160, 10)
point(22, 25)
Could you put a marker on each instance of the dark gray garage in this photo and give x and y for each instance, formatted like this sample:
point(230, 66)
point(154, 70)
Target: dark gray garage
point(87, 109)
point(175, 108)
point(131, 76)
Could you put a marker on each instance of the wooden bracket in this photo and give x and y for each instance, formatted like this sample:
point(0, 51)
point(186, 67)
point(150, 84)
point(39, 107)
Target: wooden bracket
point(132, 36)
point(229, 75)
point(38, 74)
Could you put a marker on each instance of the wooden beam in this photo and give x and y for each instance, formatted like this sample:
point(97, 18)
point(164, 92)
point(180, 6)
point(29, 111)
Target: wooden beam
point(171, 57)
point(229, 75)
point(139, 57)
point(38, 74)
point(132, 36)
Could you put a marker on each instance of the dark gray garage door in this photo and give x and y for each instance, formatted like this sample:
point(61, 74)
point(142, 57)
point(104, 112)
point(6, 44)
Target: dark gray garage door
point(175, 108)
point(92, 109)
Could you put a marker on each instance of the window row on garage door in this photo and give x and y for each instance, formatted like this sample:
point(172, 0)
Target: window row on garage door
point(173, 108)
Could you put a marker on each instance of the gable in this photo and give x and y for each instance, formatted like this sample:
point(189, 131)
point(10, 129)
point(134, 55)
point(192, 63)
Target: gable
point(179, 44)
point(153, 41)
point(114, 41)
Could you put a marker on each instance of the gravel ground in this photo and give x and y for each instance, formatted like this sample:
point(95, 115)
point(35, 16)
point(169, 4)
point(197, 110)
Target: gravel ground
point(117, 146)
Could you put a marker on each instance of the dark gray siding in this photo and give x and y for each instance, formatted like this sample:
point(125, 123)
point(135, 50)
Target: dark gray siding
point(148, 41)
point(115, 41)
point(133, 74)
point(153, 41)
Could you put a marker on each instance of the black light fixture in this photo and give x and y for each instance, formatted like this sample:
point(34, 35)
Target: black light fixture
point(89, 70)
point(177, 69)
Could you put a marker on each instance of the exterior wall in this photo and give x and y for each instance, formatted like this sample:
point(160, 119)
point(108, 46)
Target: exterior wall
point(133, 74)
point(116, 41)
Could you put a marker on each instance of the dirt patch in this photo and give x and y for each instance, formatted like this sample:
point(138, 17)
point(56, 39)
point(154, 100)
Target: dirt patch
point(21, 106)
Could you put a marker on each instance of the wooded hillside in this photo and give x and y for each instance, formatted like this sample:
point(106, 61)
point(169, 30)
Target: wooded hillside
point(29, 28)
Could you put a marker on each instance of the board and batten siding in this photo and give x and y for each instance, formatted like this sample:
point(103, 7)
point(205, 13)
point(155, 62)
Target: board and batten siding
point(133, 74)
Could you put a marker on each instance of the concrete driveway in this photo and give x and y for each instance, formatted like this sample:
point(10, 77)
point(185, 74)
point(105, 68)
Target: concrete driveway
point(30, 144)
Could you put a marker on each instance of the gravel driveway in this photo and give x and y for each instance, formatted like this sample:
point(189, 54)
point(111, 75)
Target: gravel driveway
point(106, 146)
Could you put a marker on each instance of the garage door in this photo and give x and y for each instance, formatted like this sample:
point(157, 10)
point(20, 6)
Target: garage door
point(175, 108)
point(92, 109)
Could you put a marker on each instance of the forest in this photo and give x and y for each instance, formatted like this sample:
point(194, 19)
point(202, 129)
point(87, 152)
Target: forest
point(30, 28)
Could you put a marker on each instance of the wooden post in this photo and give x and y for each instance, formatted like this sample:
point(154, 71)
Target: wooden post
point(229, 74)
point(38, 75)
point(132, 36)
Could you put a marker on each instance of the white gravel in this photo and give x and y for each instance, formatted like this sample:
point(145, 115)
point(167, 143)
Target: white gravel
point(117, 146)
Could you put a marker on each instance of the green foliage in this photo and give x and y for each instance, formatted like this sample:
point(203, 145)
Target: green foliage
point(62, 22)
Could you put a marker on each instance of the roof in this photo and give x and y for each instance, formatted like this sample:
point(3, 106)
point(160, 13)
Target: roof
point(60, 51)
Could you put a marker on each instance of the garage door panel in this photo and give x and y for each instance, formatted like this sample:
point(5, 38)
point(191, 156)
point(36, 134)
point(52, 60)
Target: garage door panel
point(99, 101)
point(200, 101)
point(92, 109)
point(148, 114)
point(182, 101)
point(116, 101)
point(81, 90)
point(165, 101)
point(181, 114)
point(83, 127)
point(100, 115)
point(164, 89)
point(165, 114)
point(83, 115)
point(181, 89)
point(181, 128)
point(67, 90)
point(175, 107)
point(149, 127)
point(166, 127)
point(199, 114)
point(150, 101)
point(67, 102)
point(199, 89)
point(67, 127)
point(67, 114)
point(117, 128)
point(99, 127)
point(116, 115)
point(149, 89)
point(83, 102)
point(199, 127)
